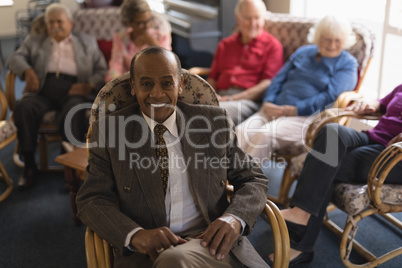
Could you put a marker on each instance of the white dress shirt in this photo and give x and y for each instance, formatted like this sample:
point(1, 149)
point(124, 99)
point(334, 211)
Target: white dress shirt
point(62, 58)
point(182, 215)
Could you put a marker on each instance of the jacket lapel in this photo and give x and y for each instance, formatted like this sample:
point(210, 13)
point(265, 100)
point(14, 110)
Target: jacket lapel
point(199, 179)
point(80, 51)
point(47, 48)
point(148, 177)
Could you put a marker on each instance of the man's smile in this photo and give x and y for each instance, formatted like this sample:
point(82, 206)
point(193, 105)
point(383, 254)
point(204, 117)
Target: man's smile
point(158, 105)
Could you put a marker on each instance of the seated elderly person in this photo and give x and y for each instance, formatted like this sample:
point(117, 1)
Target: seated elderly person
point(144, 28)
point(349, 155)
point(61, 69)
point(170, 214)
point(313, 77)
point(245, 62)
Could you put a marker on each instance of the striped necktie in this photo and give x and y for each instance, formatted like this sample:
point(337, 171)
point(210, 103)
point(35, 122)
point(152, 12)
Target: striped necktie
point(162, 154)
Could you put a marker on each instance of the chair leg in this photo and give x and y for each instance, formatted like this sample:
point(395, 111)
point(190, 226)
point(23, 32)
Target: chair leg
point(7, 180)
point(346, 238)
point(43, 155)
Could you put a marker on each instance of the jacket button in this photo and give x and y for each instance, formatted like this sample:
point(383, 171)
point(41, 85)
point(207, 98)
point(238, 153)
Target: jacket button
point(222, 183)
point(126, 189)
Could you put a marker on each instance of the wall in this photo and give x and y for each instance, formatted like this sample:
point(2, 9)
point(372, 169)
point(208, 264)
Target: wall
point(7, 16)
point(278, 6)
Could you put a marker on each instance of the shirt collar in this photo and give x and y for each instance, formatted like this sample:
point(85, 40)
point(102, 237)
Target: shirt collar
point(252, 41)
point(68, 39)
point(170, 124)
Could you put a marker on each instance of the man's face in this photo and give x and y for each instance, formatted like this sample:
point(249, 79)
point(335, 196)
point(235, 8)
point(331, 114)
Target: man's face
point(156, 85)
point(250, 21)
point(58, 25)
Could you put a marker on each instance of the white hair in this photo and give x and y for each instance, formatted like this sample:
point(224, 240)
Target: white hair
point(334, 27)
point(161, 23)
point(58, 7)
point(258, 3)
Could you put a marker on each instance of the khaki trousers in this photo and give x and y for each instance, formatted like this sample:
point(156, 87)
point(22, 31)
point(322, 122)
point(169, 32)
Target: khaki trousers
point(192, 254)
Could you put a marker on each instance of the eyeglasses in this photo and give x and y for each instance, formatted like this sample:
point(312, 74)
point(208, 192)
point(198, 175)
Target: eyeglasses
point(142, 24)
point(329, 41)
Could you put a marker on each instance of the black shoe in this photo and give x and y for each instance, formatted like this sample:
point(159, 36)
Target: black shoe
point(296, 231)
point(26, 179)
point(302, 258)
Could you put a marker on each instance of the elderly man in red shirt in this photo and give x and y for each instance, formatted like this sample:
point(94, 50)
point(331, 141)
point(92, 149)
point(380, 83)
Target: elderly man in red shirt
point(245, 62)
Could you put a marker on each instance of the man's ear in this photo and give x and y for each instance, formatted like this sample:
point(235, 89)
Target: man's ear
point(181, 84)
point(237, 18)
point(132, 86)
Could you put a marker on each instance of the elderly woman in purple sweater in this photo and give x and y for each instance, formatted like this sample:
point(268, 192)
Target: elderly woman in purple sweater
point(350, 155)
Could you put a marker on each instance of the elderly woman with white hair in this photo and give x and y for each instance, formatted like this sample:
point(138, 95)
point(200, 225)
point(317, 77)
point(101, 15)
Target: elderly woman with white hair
point(311, 80)
point(144, 28)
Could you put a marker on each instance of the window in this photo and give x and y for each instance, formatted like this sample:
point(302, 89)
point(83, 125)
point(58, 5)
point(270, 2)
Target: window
point(157, 5)
point(6, 3)
point(384, 18)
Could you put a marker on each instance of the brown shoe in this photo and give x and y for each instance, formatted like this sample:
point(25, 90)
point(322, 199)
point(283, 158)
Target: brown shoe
point(26, 179)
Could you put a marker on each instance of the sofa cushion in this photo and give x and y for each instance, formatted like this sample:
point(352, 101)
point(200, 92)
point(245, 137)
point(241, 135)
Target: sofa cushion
point(105, 46)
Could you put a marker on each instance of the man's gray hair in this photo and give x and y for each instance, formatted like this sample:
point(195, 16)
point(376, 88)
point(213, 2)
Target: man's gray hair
point(258, 3)
point(58, 7)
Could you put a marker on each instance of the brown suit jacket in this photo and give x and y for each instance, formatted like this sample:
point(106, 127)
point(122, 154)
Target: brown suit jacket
point(119, 194)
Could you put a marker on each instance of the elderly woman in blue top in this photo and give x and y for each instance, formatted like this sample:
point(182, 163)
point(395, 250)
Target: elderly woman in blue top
point(312, 79)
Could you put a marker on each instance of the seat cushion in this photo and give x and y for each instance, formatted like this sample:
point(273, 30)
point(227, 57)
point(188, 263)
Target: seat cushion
point(7, 129)
point(354, 198)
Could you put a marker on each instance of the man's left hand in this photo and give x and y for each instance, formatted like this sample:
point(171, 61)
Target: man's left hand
point(220, 236)
point(81, 89)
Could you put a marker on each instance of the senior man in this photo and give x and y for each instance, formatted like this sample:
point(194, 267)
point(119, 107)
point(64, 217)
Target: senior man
point(245, 62)
point(174, 212)
point(61, 69)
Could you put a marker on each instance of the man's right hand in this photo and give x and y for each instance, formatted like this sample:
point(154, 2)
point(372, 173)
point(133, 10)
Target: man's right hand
point(32, 81)
point(152, 242)
point(223, 98)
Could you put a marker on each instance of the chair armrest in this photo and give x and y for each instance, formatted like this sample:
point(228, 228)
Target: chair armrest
point(333, 115)
point(345, 98)
point(279, 230)
point(280, 233)
point(379, 171)
point(3, 105)
point(98, 251)
point(201, 71)
point(10, 89)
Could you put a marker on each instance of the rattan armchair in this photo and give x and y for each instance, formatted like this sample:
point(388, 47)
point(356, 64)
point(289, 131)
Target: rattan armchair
point(8, 133)
point(292, 32)
point(49, 130)
point(361, 201)
point(99, 253)
point(114, 96)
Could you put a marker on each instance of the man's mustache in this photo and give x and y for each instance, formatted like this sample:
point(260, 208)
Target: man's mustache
point(55, 30)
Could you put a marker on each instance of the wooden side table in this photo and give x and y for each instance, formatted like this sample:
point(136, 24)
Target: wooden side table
point(74, 163)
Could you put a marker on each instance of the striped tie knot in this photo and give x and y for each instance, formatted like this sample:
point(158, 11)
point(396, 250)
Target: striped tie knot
point(162, 154)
